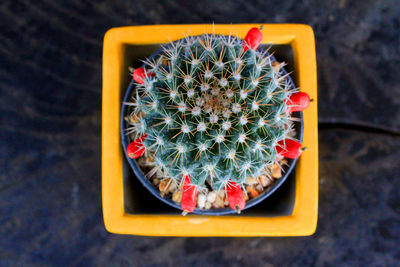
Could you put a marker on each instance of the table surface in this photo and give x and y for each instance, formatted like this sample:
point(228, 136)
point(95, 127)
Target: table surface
point(50, 102)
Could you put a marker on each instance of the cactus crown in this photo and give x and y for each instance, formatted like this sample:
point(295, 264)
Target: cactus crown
point(212, 110)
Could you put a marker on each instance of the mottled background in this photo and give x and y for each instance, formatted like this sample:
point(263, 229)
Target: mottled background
point(50, 104)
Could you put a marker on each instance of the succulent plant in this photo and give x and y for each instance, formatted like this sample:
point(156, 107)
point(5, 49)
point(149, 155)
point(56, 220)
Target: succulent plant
point(213, 110)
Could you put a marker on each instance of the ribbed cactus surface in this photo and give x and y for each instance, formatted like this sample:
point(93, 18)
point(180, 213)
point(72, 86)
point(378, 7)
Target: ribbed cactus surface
point(212, 109)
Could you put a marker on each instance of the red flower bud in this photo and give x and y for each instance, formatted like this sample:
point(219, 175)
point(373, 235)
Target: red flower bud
point(298, 102)
point(289, 148)
point(189, 196)
point(136, 148)
point(139, 75)
point(235, 196)
point(253, 39)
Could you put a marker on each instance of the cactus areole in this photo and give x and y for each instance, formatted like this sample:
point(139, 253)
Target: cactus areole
point(212, 111)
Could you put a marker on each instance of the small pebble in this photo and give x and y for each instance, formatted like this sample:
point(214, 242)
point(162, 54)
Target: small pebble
point(249, 188)
point(265, 181)
point(259, 188)
point(163, 186)
point(211, 197)
point(207, 206)
point(201, 201)
point(172, 186)
point(251, 180)
point(177, 196)
point(252, 191)
point(219, 202)
point(276, 171)
point(156, 181)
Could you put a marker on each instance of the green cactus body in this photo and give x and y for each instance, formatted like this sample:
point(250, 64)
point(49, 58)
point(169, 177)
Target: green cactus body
point(212, 110)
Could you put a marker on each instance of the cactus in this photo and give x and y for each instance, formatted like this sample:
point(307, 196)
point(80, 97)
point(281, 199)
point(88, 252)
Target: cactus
point(212, 110)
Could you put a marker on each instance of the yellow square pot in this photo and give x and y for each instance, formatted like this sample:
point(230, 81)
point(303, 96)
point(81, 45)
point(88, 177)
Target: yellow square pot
point(303, 219)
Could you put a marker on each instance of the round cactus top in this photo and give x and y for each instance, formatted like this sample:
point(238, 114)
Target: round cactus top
point(212, 109)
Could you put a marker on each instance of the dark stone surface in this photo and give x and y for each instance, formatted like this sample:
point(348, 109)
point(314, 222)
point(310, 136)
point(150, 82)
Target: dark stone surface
point(50, 103)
